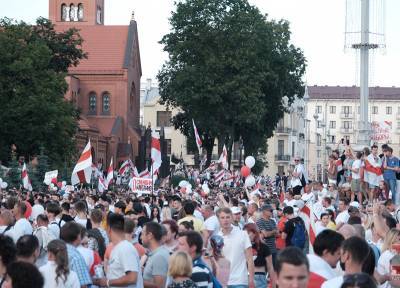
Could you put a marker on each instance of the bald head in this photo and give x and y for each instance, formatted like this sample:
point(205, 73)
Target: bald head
point(347, 231)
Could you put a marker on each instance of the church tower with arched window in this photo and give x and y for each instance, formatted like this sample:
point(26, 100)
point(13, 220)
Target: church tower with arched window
point(106, 85)
point(81, 12)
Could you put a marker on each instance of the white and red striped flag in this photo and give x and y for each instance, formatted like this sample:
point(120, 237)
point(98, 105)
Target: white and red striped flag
point(124, 167)
point(135, 172)
point(26, 182)
point(198, 139)
point(83, 168)
point(219, 176)
point(223, 159)
point(110, 174)
point(155, 152)
point(308, 216)
point(102, 184)
point(144, 174)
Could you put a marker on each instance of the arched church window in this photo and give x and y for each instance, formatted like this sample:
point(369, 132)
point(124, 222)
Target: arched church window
point(99, 15)
point(106, 102)
point(80, 12)
point(92, 103)
point(73, 13)
point(64, 12)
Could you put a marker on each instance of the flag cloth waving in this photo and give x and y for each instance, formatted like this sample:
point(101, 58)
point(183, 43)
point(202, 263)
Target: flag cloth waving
point(83, 169)
point(155, 152)
point(223, 159)
point(198, 139)
point(110, 173)
point(25, 179)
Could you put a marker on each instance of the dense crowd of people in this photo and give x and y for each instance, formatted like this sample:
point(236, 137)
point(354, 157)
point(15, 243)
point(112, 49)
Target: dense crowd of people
point(292, 232)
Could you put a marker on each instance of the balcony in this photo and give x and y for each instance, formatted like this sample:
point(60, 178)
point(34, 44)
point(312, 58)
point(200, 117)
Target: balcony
point(347, 115)
point(282, 158)
point(346, 130)
point(282, 130)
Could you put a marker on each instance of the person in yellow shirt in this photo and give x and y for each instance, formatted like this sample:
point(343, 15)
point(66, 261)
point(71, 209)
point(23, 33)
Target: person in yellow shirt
point(198, 224)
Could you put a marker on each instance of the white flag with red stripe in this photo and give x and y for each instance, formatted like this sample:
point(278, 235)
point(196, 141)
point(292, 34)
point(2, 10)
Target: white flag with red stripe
point(135, 172)
point(144, 174)
point(110, 174)
point(219, 176)
point(223, 159)
point(102, 184)
point(124, 167)
point(83, 168)
point(155, 152)
point(198, 139)
point(306, 213)
point(26, 183)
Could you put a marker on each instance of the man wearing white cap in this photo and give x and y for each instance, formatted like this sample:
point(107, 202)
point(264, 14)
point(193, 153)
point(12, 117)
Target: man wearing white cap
point(236, 216)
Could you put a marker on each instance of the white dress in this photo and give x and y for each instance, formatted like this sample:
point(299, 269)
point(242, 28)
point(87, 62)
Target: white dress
point(49, 274)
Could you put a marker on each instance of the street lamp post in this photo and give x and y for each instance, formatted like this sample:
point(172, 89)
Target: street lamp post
point(315, 116)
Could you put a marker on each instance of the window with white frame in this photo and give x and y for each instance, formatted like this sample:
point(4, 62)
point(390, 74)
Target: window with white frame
point(388, 110)
point(332, 124)
point(318, 109)
point(374, 109)
point(332, 109)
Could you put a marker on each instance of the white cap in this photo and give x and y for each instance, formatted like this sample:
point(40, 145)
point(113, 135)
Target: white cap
point(355, 204)
point(235, 210)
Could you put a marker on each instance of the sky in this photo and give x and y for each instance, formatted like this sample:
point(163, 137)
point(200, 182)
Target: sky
point(317, 28)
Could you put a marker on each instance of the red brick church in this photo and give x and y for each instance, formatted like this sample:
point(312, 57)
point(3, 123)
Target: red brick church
point(106, 86)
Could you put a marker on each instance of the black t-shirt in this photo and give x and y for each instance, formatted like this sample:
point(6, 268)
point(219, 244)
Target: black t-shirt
point(67, 218)
point(289, 229)
point(262, 252)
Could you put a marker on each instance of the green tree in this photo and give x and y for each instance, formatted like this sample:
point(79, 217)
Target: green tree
point(229, 68)
point(13, 176)
point(33, 111)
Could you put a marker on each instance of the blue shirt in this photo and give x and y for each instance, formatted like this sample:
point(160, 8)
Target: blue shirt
point(390, 162)
point(78, 265)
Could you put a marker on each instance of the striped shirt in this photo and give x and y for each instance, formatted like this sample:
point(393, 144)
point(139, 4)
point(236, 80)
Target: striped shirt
point(78, 265)
point(268, 225)
point(201, 275)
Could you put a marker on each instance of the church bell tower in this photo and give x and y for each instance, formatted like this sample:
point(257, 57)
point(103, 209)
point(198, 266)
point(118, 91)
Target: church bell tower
point(76, 13)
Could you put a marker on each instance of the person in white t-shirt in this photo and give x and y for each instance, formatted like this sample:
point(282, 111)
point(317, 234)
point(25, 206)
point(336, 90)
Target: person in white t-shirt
point(22, 226)
point(58, 261)
point(53, 210)
point(353, 254)
point(237, 247)
point(343, 215)
point(211, 221)
point(124, 264)
point(356, 177)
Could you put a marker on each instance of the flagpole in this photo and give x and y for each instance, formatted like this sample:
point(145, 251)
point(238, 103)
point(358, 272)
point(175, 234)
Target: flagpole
point(152, 185)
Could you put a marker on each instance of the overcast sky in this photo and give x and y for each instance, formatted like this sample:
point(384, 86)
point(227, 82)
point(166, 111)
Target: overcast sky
point(317, 27)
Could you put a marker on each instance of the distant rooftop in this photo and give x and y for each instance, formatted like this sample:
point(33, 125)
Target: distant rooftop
point(348, 93)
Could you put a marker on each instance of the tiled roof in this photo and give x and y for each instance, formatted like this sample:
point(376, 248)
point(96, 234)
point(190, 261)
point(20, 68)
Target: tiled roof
point(105, 46)
point(339, 92)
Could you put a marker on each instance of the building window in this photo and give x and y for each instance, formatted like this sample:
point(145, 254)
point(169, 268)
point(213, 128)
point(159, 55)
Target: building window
point(333, 139)
point(332, 124)
point(374, 109)
point(293, 148)
point(73, 11)
point(164, 118)
point(347, 124)
point(64, 12)
point(169, 146)
point(346, 110)
point(319, 139)
point(318, 109)
point(106, 103)
point(388, 110)
point(99, 15)
point(319, 124)
point(281, 147)
point(318, 153)
point(332, 109)
point(92, 103)
point(80, 12)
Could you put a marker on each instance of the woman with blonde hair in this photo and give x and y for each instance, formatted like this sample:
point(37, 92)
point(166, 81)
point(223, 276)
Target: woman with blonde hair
point(383, 267)
point(180, 270)
point(56, 272)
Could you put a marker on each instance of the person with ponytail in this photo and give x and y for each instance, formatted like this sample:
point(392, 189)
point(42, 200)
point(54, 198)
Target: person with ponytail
point(56, 272)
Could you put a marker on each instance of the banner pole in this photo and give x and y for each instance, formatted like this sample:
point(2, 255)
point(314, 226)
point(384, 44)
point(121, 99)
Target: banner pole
point(152, 185)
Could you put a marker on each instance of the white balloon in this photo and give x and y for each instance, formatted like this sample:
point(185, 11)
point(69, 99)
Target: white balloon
point(204, 186)
point(250, 181)
point(250, 161)
point(4, 185)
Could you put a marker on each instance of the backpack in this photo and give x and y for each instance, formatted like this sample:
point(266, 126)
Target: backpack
point(214, 279)
point(47, 237)
point(299, 235)
point(96, 234)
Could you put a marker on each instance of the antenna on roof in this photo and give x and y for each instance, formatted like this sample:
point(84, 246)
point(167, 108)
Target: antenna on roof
point(133, 16)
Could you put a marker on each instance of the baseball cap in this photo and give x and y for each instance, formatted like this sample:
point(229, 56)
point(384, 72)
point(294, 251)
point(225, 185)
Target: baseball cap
point(235, 210)
point(355, 204)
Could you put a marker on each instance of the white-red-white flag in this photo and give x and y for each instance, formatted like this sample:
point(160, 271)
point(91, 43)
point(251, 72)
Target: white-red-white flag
point(135, 172)
point(124, 167)
point(197, 136)
point(110, 173)
point(26, 183)
point(83, 168)
point(145, 174)
point(219, 176)
point(223, 159)
point(102, 184)
point(155, 152)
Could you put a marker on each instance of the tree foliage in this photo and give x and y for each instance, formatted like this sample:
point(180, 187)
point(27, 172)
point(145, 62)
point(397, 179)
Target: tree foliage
point(229, 68)
point(33, 112)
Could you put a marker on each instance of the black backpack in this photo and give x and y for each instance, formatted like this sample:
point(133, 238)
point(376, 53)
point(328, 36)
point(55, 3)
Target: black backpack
point(96, 234)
